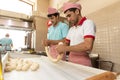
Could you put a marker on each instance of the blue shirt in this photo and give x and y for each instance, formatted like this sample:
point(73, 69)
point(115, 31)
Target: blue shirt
point(6, 42)
point(58, 32)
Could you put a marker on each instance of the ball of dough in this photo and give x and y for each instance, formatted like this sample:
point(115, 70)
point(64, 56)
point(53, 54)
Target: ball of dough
point(8, 69)
point(9, 59)
point(29, 62)
point(20, 61)
point(34, 66)
point(25, 67)
point(13, 65)
point(8, 63)
point(19, 67)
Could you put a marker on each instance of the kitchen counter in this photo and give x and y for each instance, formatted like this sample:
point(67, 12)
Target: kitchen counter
point(51, 71)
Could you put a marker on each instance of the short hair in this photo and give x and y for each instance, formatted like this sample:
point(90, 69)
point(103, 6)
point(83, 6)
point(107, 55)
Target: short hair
point(7, 35)
point(55, 14)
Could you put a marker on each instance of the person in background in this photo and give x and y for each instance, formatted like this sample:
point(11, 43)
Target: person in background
point(56, 32)
point(1, 48)
point(81, 35)
point(6, 43)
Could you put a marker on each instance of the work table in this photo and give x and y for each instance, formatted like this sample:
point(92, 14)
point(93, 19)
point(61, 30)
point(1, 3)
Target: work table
point(51, 71)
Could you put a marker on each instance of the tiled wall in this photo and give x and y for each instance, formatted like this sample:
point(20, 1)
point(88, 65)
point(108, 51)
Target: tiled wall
point(107, 42)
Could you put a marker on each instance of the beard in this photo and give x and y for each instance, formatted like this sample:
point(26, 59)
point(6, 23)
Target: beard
point(73, 22)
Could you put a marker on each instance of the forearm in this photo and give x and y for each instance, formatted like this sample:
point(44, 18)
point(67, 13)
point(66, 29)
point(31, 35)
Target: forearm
point(55, 42)
point(80, 47)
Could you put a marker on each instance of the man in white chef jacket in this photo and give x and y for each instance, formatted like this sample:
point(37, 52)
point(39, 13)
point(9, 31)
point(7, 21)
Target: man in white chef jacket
point(81, 35)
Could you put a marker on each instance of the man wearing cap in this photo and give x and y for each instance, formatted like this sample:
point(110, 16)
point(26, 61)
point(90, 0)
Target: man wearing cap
point(80, 36)
point(56, 32)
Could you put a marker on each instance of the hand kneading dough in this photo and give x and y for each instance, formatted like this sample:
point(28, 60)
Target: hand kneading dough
point(34, 66)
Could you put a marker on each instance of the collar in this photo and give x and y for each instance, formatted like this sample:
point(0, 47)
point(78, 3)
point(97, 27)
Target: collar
point(58, 23)
point(82, 20)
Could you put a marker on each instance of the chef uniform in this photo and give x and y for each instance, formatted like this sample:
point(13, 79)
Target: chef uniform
point(6, 43)
point(76, 35)
point(56, 33)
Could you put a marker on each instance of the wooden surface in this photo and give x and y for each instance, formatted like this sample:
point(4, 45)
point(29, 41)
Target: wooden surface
point(52, 71)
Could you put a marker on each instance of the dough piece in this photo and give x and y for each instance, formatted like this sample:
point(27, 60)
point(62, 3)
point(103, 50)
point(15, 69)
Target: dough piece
point(19, 67)
point(8, 69)
point(34, 66)
point(20, 61)
point(59, 57)
point(13, 60)
point(9, 59)
point(25, 67)
point(8, 63)
point(13, 65)
point(28, 62)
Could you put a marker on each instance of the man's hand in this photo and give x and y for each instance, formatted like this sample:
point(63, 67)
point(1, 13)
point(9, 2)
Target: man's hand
point(61, 49)
point(45, 42)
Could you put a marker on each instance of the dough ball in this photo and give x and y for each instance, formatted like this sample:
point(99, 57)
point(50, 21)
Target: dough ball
point(8, 69)
point(9, 59)
point(25, 67)
point(19, 67)
point(29, 62)
point(13, 66)
point(8, 63)
point(34, 66)
point(19, 61)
